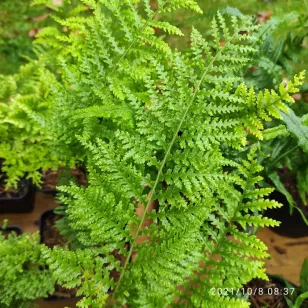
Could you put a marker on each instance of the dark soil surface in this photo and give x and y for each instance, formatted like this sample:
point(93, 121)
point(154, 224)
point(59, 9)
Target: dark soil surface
point(269, 294)
point(51, 178)
point(50, 235)
point(11, 193)
point(267, 299)
point(292, 225)
point(61, 293)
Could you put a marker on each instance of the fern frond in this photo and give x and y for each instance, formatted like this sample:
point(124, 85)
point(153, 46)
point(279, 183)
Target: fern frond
point(82, 267)
point(159, 178)
point(236, 249)
point(25, 141)
point(22, 266)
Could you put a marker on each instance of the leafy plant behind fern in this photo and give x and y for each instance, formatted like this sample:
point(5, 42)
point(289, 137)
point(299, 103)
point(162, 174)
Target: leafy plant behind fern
point(152, 123)
point(25, 145)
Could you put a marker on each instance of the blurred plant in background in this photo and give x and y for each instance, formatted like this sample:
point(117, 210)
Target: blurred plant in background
point(25, 147)
point(19, 22)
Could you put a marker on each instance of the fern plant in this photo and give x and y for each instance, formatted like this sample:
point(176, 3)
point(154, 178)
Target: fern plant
point(285, 152)
point(25, 142)
point(153, 124)
point(24, 275)
point(19, 23)
point(279, 54)
point(161, 222)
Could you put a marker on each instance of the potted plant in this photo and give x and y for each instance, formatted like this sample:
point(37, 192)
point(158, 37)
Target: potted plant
point(21, 138)
point(153, 124)
point(23, 271)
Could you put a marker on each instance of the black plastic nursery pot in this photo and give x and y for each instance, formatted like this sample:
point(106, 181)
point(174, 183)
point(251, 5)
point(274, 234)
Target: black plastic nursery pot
point(49, 235)
point(21, 201)
point(11, 229)
point(292, 226)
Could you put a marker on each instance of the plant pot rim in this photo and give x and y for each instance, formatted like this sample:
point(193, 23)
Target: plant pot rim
point(48, 191)
point(18, 230)
point(41, 219)
point(21, 196)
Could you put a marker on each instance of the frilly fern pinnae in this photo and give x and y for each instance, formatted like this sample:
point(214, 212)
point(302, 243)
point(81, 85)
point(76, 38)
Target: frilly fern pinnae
point(151, 123)
point(24, 105)
point(24, 275)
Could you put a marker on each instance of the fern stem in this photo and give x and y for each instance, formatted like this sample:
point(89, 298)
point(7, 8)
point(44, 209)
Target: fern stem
point(175, 135)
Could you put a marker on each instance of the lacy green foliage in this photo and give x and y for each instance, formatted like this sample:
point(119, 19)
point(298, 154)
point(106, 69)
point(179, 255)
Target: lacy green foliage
point(281, 50)
point(283, 35)
point(24, 275)
point(25, 143)
point(17, 19)
point(152, 124)
point(19, 23)
point(286, 146)
point(227, 255)
point(86, 269)
point(80, 45)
